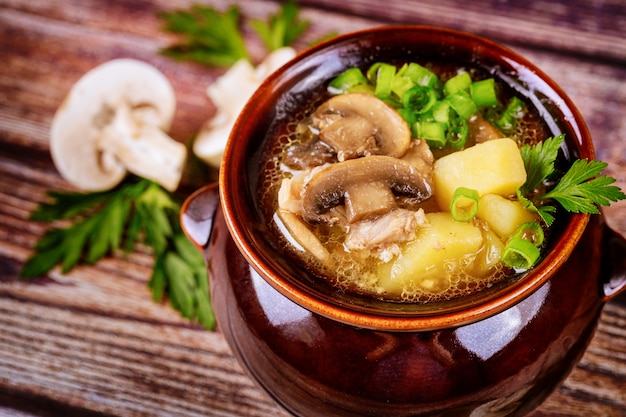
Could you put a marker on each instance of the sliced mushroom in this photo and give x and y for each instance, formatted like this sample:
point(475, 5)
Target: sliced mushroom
point(362, 117)
point(420, 155)
point(366, 186)
point(230, 93)
point(113, 121)
point(481, 130)
point(351, 137)
point(307, 240)
point(309, 154)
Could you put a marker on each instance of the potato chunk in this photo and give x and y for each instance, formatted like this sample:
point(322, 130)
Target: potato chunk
point(502, 215)
point(424, 262)
point(493, 167)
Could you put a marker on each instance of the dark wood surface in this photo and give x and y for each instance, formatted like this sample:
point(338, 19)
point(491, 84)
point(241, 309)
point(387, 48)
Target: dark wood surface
point(93, 342)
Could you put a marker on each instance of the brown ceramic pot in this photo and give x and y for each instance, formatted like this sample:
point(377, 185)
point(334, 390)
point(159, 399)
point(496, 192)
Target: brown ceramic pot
point(322, 353)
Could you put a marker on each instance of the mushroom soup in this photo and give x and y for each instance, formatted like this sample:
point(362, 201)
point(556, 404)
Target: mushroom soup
point(405, 194)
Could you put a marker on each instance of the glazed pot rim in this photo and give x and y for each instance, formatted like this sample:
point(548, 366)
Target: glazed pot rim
point(234, 207)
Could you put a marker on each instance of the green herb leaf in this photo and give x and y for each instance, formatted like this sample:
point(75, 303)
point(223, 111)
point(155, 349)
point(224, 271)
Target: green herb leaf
point(135, 212)
point(546, 213)
point(539, 161)
point(158, 279)
point(282, 28)
point(210, 37)
point(67, 205)
point(180, 278)
point(577, 191)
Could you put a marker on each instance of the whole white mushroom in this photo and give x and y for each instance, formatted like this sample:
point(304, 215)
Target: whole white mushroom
point(113, 121)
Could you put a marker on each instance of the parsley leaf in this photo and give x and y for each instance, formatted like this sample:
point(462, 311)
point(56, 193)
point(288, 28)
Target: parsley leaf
point(138, 211)
point(282, 28)
point(209, 37)
point(539, 161)
point(579, 190)
point(214, 38)
point(579, 193)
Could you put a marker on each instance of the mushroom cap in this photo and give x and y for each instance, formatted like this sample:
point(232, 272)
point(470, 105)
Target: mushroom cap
point(362, 111)
point(372, 175)
point(90, 104)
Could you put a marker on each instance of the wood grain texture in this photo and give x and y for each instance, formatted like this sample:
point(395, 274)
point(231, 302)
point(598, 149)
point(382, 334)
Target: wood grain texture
point(92, 342)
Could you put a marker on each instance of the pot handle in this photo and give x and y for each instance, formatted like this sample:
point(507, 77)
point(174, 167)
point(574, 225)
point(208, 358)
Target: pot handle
point(197, 213)
point(614, 271)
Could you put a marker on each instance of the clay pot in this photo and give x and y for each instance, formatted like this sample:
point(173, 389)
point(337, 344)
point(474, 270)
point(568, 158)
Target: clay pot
point(319, 352)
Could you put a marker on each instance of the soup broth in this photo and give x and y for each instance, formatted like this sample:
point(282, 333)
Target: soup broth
point(322, 238)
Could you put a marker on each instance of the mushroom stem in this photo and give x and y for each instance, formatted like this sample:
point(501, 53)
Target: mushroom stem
point(142, 147)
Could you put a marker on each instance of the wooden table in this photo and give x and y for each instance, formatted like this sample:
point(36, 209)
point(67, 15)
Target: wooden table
point(92, 342)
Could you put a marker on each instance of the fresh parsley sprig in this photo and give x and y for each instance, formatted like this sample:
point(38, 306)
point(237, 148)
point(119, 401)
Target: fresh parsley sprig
point(103, 223)
point(214, 38)
point(282, 28)
point(209, 36)
point(579, 190)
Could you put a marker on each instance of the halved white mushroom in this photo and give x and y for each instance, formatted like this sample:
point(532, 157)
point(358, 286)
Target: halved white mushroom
point(230, 93)
point(114, 121)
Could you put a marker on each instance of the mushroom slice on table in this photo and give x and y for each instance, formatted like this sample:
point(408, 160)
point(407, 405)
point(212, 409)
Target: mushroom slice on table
point(230, 93)
point(356, 125)
point(365, 186)
point(114, 121)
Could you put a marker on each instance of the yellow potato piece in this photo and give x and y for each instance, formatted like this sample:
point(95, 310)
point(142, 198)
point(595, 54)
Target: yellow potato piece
point(492, 167)
point(423, 262)
point(502, 215)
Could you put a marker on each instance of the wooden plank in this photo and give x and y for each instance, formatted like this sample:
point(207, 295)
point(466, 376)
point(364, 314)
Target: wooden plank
point(581, 28)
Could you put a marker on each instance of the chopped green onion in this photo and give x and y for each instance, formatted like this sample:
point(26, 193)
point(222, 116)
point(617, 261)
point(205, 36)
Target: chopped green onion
point(408, 115)
point(401, 85)
point(372, 72)
point(433, 132)
point(457, 134)
point(530, 231)
point(419, 99)
point(513, 111)
point(520, 254)
point(362, 88)
point(420, 75)
point(347, 80)
point(459, 82)
point(402, 70)
point(382, 75)
point(484, 92)
point(441, 112)
point(464, 204)
point(462, 104)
